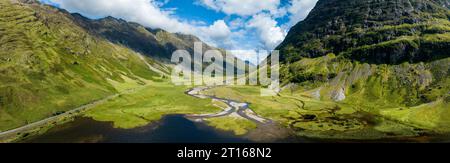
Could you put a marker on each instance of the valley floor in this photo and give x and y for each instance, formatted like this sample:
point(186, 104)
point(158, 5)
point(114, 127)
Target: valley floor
point(292, 114)
point(309, 117)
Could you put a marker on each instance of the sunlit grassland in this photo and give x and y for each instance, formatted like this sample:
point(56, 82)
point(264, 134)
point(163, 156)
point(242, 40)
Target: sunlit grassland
point(337, 120)
point(423, 116)
point(274, 107)
point(44, 73)
point(239, 126)
point(149, 104)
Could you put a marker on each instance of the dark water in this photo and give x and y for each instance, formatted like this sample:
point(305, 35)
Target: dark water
point(171, 129)
point(175, 129)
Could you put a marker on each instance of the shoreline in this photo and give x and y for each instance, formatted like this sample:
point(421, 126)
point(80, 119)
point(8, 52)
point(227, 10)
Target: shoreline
point(43, 125)
point(260, 134)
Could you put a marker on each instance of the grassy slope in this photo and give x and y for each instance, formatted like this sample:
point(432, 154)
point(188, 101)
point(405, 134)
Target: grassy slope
point(386, 58)
point(312, 117)
point(49, 65)
point(391, 31)
point(238, 126)
point(373, 88)
point(269, 107)
point(380, 100)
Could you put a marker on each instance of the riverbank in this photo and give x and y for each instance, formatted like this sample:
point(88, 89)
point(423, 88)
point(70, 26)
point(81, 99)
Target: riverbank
point(169, 129)
point(151, 103)
point(325, 120)
point(206, 106)
point(42, 126)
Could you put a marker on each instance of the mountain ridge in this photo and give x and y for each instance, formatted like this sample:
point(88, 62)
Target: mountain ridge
point(369, 30)
point(390, 58)
point(49, 64)
point(156, 43)
point(52, 60)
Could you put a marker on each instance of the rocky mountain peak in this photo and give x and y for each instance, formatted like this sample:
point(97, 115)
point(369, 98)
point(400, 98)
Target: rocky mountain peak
point(375, 31)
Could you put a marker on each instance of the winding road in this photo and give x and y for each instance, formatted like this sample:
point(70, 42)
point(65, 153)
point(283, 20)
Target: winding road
point(5, 135)
point(234, 108)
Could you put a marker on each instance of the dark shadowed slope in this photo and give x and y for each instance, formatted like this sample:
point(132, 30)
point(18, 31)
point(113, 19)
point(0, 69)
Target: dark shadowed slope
point(156, 43)
point(387, 31)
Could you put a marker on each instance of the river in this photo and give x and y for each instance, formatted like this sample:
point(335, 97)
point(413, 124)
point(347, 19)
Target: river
point(187, 129)
point(170, 129)
point(174, 129)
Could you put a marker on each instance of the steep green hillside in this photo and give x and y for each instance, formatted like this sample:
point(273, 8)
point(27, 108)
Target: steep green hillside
point(389, 58)
point(156, 43)
point(388, 31)
point(48, 64)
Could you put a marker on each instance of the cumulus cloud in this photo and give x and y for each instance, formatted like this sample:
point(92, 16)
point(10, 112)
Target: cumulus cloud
point(268, 30)
point(263, 16)
point(249, 24)
point(237, 23)
point(242, 7)
point(219, 30)
point(147, 13)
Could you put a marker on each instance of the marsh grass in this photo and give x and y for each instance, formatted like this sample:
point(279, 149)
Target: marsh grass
point(239, 126)
point(150, 104)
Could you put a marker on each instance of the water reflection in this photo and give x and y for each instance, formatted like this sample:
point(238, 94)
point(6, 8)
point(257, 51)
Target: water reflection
point(171, 129)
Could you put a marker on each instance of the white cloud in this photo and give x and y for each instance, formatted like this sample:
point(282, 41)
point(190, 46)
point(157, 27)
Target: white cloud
point(237, 23)
point(242, 7)
point(268, 30)
point(299, 9)
point(161, 3)
point(219, 30)
point(246, 55)
point(263, 15)
point(249, 24)
point(147, 13)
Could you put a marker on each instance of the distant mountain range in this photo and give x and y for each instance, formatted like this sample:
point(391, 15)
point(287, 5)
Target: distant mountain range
point(53, 61)
point(389, 58)
point(155, 43)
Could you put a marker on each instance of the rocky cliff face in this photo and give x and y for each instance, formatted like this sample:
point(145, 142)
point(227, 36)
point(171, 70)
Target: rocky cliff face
point(443, 3)
point(387, 57)
point(373, 31)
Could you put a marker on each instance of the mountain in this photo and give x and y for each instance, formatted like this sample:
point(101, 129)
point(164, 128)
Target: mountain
point(49, 64)
point(156, 43)
point(388, 31)
point(52, 61)
point(386, 57)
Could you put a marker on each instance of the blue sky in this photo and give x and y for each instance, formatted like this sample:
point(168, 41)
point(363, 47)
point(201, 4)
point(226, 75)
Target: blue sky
point(228, 24)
